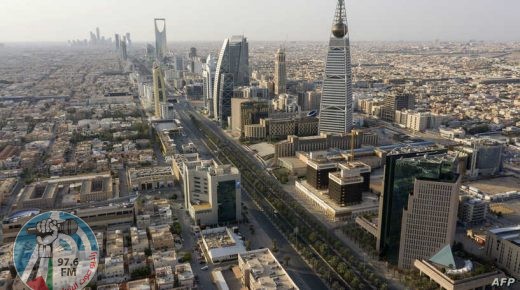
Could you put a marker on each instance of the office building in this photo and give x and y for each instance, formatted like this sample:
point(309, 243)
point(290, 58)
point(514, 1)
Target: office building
point(318, 169)
point(472, 211)
point(485, 157)
point(280, 73)
point(347, 185)
point(402, 166)
point(208, 80)
point(234, 60)
point(394, 103)
point(246, 112)
point(430, 217)
point(211, 192)
point(225, 95)
point(159, 89)
point(336, 100)
point(161, 47)
point(502, 247)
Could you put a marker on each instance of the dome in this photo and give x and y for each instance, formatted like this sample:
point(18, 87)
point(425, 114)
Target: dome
point(339, 30)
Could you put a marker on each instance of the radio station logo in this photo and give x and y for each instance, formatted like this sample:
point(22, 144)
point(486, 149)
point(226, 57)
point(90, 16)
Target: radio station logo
point(56, 250)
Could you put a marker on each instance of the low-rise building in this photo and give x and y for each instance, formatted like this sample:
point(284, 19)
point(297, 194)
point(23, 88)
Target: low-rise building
point(142, 284)
point(503, 248)
point(161, 238)
point(139, 240)
point(185, 275)
point(164, 278)
point(261, 270)
point(150, 178)
point(222, 244)
point(164, 258)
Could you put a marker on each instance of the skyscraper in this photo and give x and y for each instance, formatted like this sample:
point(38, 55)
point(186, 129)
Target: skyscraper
point(225, 95)
point(394, 103)
point(280, 73)
point(159, 89)
point(208, 79)
point(117, 40)
point(336, 100)
point(123, 51)
point(160, 38)
point(402, 166)
point(233, 59)
point(128, 40)
point(430, 216)
point(97, 34)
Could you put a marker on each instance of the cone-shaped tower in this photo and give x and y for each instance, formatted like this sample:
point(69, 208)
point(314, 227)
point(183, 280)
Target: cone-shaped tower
point(336, 100)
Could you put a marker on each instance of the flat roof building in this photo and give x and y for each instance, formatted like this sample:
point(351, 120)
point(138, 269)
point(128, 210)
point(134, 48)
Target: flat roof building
point(261, 270)
point(222, 244)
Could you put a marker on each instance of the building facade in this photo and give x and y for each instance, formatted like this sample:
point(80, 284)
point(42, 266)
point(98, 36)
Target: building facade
point(430, 218)
point(280, 73)
point(233, 59)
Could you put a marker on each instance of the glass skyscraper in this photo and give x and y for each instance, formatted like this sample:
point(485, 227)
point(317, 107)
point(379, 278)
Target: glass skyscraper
point(233, 59)
point(402, 167)
point(336, 99)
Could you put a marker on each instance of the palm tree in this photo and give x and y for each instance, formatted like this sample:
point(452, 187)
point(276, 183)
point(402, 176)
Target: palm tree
point(286, 259)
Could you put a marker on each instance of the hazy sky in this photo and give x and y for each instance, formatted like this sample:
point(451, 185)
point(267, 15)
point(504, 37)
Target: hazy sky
point(188, 20)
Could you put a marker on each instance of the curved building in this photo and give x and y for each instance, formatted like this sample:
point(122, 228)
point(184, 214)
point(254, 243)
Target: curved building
point(208, 79)
point(336, 99)
point(233, 59)
point(160, 38)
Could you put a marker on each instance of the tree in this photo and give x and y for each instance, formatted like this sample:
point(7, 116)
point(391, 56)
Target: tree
point(140, 272)
point(148, 252)
point(186, 257)
point(286, 259)
point(275, 246)
point(248, 245)
point(176, 228)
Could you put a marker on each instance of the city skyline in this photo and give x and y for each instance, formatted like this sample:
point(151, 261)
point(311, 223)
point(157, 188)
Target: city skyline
point(59, 21)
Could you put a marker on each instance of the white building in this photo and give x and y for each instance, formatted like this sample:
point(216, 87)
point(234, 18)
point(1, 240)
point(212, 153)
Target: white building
point(222, 244)
point(212, 192)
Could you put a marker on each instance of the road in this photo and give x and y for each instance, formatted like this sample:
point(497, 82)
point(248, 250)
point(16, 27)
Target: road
point(301, 273)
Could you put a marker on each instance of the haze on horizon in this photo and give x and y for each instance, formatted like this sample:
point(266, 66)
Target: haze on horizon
point(292, 20)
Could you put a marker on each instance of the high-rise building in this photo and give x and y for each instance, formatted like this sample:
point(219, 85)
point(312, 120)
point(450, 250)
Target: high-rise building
point(128, 40)
point(212, 192)
point(98, 34)
point(159, 89)
point(347, 185)
point(123, 51)
point(430, 217)
point(336, 100)
point(208, 80)
point(225, 95)
point(233, 59)
point(117, 40)
point(161, 47)
point(394, 103)
point(246, 112)
point(280, 73)
point(402, 166)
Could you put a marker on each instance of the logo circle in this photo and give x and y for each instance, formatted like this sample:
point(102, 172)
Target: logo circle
point(56, 250)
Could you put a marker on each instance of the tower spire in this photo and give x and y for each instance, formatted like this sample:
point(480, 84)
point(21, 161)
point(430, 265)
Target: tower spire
point(339, 24)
